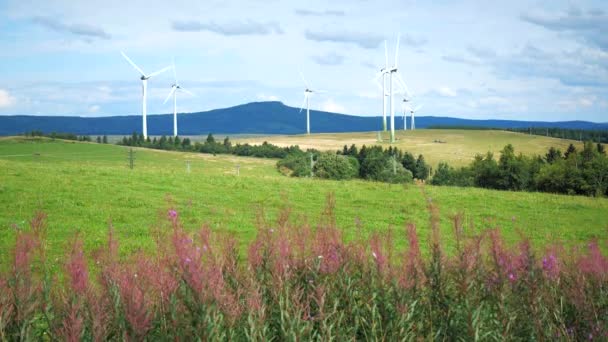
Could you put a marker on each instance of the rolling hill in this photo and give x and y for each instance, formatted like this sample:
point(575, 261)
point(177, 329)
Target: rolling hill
point(252, 118)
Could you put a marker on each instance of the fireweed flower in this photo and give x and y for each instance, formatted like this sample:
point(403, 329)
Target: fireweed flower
point(550, 266)
point(172, 214)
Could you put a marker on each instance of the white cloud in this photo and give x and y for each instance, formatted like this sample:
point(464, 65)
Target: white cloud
point(264, 97)
point(6, 100)
point(586, 101)
point(493, 101)
point(94, 109)
point(330, 105)
point(447, 91)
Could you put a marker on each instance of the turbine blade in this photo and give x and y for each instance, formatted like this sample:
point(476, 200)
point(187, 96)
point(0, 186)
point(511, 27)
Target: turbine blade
point(385, 55)
point(405, 89)
point(170, 93)
point(397, 51)
point(174, 72)
point(418, 108)
point(186, 91)
point(133, 64)
point(304, 80)
point(160, 71)
point(376, 80)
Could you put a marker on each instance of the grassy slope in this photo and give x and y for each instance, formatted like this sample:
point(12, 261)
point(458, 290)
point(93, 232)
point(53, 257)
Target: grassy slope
point(459, 148)
point(81, 186)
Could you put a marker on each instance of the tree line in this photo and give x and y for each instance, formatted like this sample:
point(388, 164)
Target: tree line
point(66, 136)
point(389, 165)
point(594, 135)
point(573, 172)
point(210, 145)
point(597, 136)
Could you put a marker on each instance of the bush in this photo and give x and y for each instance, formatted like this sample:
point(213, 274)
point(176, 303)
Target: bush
point(443, 175)
point(295, 164)
point(333, 166)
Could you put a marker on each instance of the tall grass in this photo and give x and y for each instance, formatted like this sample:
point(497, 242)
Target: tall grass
point(299, 282)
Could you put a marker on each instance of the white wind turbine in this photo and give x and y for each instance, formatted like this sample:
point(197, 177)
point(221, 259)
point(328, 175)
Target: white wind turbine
point(405, 110)
point(407, 96)
point(307, 94)
point(175, 87)
point(413, 111)
point(144, 84)
point(393, 70)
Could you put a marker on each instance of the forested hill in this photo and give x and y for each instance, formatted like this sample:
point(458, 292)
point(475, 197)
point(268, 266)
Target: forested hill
point(254, 118)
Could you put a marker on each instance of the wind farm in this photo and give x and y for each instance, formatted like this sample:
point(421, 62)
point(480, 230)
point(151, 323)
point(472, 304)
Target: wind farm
point(316, 171)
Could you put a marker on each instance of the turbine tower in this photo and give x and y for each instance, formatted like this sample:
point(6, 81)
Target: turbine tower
point(307, 94)
point(175, 87)
point(405, 109)
point(393, 70)
point(382, 74)
point(144, 85)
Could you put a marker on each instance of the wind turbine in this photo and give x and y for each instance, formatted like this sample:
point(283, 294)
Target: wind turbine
point(307, 94)
point(405, 109)
point(413, 111)
point(144, 84)
point(393, 70)
point(175, 87)
point(382, 74)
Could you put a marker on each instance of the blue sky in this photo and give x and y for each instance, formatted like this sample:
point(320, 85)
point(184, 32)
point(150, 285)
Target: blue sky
point(523, 60)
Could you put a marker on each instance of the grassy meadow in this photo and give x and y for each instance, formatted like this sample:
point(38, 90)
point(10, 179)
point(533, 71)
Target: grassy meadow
point(84, 186)
point(457, 147)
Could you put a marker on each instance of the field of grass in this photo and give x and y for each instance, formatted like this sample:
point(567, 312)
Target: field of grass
point(83, 186)
point(458, 147)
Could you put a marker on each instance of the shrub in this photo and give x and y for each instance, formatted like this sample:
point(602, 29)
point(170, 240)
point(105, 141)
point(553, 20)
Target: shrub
point(295, 164)
point(333, 166)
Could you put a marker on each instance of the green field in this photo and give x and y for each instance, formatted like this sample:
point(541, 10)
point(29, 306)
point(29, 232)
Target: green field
point(82, 186)
point(457, 147)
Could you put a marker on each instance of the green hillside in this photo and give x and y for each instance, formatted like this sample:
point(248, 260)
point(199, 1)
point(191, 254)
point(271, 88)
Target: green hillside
point(84, 186)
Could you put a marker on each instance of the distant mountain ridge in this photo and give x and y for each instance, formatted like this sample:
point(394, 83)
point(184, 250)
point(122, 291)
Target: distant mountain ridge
point(253, 118)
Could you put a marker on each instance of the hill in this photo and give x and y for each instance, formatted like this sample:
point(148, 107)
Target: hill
point(251, 118)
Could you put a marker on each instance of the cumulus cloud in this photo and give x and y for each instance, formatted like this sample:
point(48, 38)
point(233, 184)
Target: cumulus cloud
point(94, 109)
point(234, 28)
point(331, 106)
point(305, 12)
point(264, 97)
point(573, 70)
point(82, 30)
point(481, 52)
point(447, 92)
point(331, 58)
point(460, 59)
point(362, 39)
point(590, 26)
point(6, 100)
point(412, 41)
